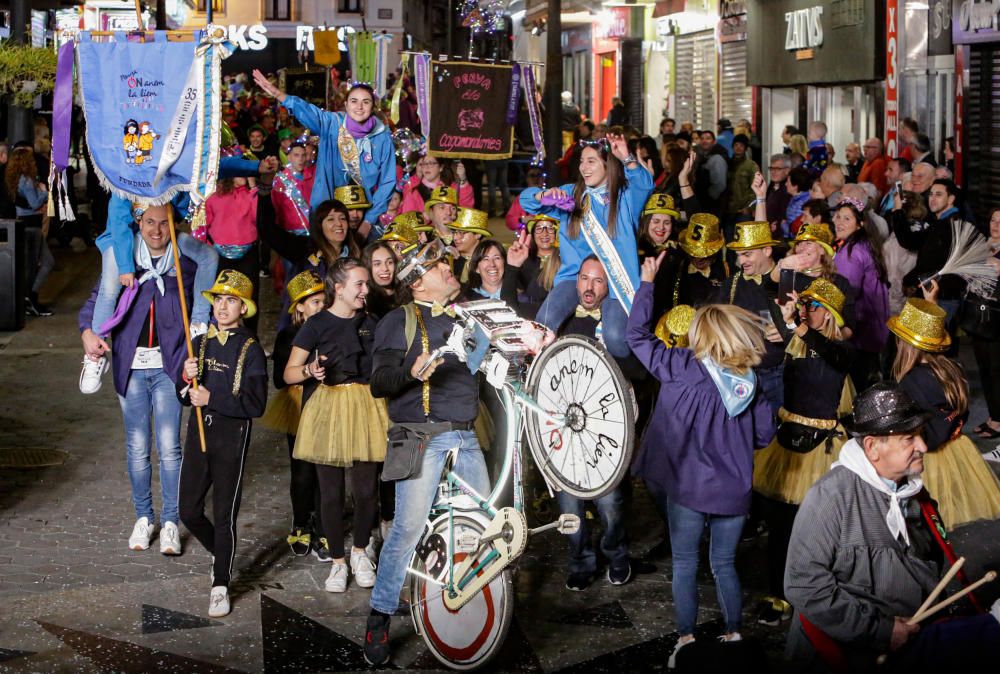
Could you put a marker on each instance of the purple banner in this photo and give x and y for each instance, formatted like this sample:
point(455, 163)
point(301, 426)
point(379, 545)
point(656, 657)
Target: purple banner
point(422, 69)
point(62, 107)
point(514, 97)
point(533, 114)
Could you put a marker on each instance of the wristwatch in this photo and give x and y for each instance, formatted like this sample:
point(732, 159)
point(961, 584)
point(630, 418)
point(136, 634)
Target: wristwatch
point(630, 160)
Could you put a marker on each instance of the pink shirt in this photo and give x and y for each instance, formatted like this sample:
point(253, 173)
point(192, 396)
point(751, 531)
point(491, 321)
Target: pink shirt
point(412, 201)
point(230, 219)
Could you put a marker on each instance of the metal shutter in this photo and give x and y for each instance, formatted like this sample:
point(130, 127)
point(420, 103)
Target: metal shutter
point(695, 77)
point(735, 97)
point(982, 164)
point(632, 72)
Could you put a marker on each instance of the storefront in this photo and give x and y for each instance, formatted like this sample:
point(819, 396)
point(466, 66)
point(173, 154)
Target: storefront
point(618, 62)
point(829, 66)
point(577, 64)
point(735, 97)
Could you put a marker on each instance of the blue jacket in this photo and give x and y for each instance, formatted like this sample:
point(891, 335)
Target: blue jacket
point(725, 139)
point(573, 252)
point(378, 167)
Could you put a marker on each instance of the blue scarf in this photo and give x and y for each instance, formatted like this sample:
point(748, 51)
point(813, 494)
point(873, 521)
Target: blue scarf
point(736, 389)
point(599, 194)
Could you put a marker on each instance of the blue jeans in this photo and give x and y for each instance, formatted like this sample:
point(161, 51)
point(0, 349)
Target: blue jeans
point(414, 498)
point(561, 303)
point(582, 558)
point(686, 529)
point(771, 382)
point(151, 393)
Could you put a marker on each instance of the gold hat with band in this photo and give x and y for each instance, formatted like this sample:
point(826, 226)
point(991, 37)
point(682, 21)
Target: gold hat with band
point(673, 326)
point(827, 294)
point(753, 235)
point(231, 282)
point(406, 227)
point(818, 233)
point(661, 204)
point(921, 324)
point(442, 195)
point(702, 237)
point(352, 196)
point(471, 220)
point(302, 286)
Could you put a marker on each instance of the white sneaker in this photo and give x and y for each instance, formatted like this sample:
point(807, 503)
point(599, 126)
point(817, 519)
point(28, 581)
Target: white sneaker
point(729, 638)
point(993, 456)
point(218, 602)
point(672, 660)
point(170, 539)
point(337, 580)
point(362, 569)
point(90, 375)
point(142, 534)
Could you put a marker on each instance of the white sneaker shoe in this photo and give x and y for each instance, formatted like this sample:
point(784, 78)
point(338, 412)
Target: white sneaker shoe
point(993, 456)
point(90, 375)
point(170, 539)
point(729, 638)
point(142, 534)
point(337, 580)
point(362, 569)
point(218, 602)
point(672, 660)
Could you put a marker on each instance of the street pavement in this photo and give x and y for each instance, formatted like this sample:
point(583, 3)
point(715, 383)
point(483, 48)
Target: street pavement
point(74, 598)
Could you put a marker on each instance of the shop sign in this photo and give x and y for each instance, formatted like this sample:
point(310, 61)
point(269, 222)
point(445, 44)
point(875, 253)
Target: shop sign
point(891, 76)
point(804, 28)
point(733, 22)
point(976, 21)
point(939, 28)
point(960, 75)
point(612, 23)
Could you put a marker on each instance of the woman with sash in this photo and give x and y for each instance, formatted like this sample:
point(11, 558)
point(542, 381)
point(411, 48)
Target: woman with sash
point(599, 215)
point(355, 147)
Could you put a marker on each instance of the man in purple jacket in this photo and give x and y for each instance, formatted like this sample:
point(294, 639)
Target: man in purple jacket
point(148, 351)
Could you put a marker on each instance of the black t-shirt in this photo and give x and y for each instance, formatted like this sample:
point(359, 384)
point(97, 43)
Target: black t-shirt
point(346, 343)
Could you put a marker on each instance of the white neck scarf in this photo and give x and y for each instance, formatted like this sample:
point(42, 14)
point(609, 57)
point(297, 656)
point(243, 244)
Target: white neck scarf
point(144, 260)
point(852, 457)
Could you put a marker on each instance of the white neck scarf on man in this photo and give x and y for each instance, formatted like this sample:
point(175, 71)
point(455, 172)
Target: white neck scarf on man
point(144, 260)
point(852, 457)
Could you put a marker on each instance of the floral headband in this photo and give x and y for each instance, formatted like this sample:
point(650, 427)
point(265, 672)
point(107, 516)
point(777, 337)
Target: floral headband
point(601, 144)
point(851, 201)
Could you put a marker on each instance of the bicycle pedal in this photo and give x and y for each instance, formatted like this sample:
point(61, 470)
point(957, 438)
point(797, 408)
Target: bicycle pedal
point(467, 542)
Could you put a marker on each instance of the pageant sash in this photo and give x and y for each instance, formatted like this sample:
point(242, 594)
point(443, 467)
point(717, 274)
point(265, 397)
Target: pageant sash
point(213, 49)
point(514, 95)
point(422, 69)
point(398, 89)
point(600, 243)
point(62, 107)
point(285, 183)
point(349, 154)
point(534, 116)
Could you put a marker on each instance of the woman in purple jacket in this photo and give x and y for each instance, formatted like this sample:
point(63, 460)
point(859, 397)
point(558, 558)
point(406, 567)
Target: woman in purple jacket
point(859, 260)
point(697, 452)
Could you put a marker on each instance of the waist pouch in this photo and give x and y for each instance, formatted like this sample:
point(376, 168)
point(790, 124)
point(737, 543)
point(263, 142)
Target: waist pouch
point(405, 447)
point(800, 438)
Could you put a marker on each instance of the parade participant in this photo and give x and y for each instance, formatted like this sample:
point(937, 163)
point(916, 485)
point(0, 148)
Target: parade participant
point(599, 215)
point(407, 229)
point(231, 229)
point(306, 298)
point(440, 210)
point(357, 149)
point(353, 198)
point(148, 349)
point(468, 229)
point(286, 138)
point(809, 437)
point(954, 472)
point(487, 270)
point(441, 401)
point(862, 556)
point(379, 258)
point(391, 211)
point(700, 274)
point(537, 273)
point(232, 389)
point(342, 425)
point(656, 234)
point(433, 173)
point(292, 187)
point(698, 451)
point(752, 289)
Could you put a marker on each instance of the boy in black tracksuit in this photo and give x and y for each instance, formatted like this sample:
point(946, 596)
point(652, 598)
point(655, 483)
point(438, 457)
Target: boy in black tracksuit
point(232, 389)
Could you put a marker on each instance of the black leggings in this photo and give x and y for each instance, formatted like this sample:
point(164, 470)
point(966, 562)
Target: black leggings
point(988, 359)
point(779, 517)
point(386, 498)
point(331, 497)
point(304, 491)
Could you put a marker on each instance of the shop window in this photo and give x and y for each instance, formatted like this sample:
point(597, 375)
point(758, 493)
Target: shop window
point(349, 6)
point(278, 10)
point(218, 6)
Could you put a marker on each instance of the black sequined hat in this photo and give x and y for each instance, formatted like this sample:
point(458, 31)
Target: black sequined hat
point(884, 409)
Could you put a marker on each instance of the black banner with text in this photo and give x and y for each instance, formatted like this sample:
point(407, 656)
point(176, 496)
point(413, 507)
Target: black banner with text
point(468, 105)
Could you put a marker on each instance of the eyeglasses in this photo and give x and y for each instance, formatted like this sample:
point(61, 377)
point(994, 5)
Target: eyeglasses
point(544, 226)
point(778, 168)
point(428, 162)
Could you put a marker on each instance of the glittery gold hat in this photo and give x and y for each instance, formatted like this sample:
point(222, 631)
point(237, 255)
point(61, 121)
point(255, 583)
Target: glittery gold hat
point(753, 235)
point(302, 286)
point(442, 195)
point(406, 227)
point(471, 220)
point(674, 325)
point(921, 324)
point(826, 293)
point(230, 282)
point(819, 233)
point(702, 237)
point(352, 196)
point(662, 204)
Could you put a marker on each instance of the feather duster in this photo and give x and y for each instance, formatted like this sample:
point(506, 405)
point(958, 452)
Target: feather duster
point(968, 259)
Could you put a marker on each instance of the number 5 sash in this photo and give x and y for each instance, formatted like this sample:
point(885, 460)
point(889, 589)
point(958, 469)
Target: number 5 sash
point(600, 243)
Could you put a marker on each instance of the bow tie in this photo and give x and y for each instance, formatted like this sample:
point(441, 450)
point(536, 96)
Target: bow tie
point(437, 309)
point(592, 313)
point(756, 278)
point(706, 272)
point(214, 332)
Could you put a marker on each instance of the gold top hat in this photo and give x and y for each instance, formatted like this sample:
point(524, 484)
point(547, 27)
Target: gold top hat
point(302, 286)
point(674, 325)
point(819, 233)
point(662, 204)
point(230, 282)
point(352, 196)
point(406, 227)
point(702, 237)
point(921, 324)
point(442, 195)
point(753, 235)
point(826, 293)
point(471, 220)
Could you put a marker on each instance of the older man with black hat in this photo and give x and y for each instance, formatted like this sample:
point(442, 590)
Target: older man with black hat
point(863, 558)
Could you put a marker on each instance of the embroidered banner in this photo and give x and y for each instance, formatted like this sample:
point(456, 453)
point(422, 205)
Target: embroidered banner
point(469, 104)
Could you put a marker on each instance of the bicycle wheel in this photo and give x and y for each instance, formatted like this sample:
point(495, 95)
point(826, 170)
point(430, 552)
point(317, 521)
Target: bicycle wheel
point(587, 455)
point(469, 637)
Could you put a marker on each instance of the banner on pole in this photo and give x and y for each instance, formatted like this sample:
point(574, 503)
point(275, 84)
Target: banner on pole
point(469, 104)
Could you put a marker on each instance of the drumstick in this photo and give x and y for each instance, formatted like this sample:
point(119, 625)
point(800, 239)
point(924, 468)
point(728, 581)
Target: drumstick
point(938, 589)
point(989, 577)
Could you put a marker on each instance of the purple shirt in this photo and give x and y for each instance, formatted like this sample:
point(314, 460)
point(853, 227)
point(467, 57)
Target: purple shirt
point(700, 456)
point(871, 304)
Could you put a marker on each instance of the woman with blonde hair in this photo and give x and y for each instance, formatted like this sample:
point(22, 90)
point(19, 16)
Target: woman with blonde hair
point(697, 454)
point(798, 145)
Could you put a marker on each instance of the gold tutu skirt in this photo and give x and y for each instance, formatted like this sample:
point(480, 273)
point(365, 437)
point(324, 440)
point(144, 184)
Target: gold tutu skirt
point(786, 476)
point(283, 410)
point(342, 424)
point(965, 487)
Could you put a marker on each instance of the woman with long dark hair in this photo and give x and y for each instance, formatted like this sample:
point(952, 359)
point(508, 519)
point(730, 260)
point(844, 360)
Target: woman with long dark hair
point(383, 291)
point(30, 196)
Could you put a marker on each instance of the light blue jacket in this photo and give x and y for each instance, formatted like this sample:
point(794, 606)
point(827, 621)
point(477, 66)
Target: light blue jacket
point(378, 174)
